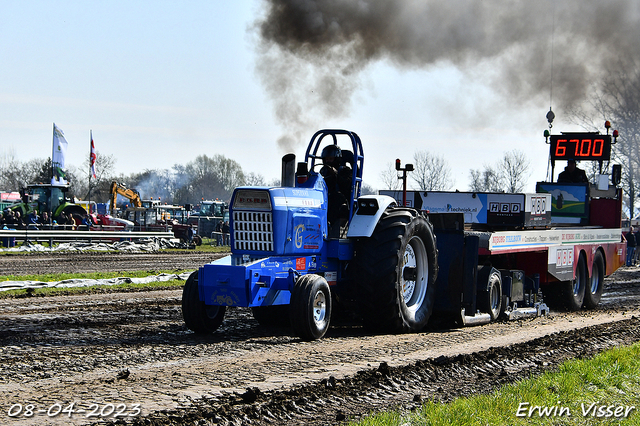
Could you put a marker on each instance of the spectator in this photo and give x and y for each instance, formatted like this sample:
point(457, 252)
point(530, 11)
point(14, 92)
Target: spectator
point(33, 220)
point(637, 252)
point(63, 220)
point(225, 233)
point(9, 219)
point(190, 234)
point(18, 222)
point(219, 233)
point(631, 246)
point(45, 220)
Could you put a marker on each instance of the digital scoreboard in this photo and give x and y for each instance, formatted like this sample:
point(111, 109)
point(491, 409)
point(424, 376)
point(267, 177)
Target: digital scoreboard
point(580, 146)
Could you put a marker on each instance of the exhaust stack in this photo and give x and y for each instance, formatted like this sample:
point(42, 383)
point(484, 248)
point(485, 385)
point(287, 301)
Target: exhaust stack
point(288, 170)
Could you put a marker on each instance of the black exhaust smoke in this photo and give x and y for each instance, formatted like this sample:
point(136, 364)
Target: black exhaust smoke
point(311, 54)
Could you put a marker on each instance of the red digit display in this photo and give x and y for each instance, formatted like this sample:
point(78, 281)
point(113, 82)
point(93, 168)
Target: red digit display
point(580, 146)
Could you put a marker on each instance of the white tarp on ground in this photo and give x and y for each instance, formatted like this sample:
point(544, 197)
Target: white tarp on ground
point(87, 282)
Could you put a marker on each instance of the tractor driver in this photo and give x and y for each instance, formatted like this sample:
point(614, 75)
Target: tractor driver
point(334, 174)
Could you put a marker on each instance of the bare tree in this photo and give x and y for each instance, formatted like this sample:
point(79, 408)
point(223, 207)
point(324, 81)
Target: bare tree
point(97, 189)
point(486, 180)
point(389, 177)
point(255, 179)
point(430, 172)
point(509, 175)
point(515, 171)
point(15, 175)
point(618, 100)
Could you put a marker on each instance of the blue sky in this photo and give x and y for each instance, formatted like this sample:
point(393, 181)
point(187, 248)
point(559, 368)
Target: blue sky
point(162, 82)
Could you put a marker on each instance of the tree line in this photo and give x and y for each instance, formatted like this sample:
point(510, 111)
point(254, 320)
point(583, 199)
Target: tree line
point(432, 173)
point(216, 177)
point(205, 177)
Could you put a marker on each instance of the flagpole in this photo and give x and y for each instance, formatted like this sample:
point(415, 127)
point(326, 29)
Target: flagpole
point(53, 147)
point(90, 164)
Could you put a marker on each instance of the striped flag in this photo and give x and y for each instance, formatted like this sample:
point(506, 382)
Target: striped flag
point(93, 157)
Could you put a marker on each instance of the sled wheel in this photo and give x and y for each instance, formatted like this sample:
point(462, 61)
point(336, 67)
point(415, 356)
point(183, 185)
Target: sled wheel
point(395, 270)
point(490, 300)
point(310, 308)
point(573, 291)
point(593, 293)
point(198, 317)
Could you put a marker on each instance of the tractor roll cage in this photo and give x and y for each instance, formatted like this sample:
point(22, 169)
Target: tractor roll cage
point(356, 164)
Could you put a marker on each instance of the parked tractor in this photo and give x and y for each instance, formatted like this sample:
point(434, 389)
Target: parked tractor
point(51, 198)
point(207, 215)
point(300, 248)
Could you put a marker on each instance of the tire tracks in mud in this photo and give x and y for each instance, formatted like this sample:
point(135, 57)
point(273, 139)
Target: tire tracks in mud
point(133, 348)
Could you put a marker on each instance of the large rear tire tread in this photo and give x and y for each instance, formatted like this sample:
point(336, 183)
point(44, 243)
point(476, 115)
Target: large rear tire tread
point(198, 317)
point(378, 271)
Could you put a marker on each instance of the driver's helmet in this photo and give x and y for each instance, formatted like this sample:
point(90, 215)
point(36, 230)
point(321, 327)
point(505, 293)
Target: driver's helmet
point(332, 155)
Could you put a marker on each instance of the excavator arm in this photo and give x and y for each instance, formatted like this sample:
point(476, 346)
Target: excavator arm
point(131, 194)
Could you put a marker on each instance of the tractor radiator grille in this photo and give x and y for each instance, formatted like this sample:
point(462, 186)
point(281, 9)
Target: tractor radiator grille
point(252, 231)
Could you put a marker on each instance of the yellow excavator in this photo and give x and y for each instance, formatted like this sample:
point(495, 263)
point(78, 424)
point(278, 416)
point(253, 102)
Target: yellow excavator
point(131, 194)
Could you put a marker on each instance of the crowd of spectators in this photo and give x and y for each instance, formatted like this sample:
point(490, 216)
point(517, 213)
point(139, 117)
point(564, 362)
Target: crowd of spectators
point(10, 219)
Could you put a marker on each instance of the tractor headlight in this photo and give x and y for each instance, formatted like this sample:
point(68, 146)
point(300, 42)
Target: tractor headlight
point(367, 206)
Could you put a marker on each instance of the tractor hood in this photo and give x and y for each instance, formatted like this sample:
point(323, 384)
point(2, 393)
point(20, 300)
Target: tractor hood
point(279, 221)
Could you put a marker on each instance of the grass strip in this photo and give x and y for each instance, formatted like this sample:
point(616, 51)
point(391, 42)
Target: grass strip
point(603, 390)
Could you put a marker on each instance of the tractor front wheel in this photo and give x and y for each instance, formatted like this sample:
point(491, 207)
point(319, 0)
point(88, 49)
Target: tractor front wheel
point(198, 317)
point(310, 308)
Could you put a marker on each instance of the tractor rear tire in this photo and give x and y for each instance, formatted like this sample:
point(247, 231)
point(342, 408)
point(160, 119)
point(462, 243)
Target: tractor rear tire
point(595, 284)
point(395, 272)
point(310, 311)
point(198, 317)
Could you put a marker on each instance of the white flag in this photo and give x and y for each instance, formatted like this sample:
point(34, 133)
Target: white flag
point(58, 156)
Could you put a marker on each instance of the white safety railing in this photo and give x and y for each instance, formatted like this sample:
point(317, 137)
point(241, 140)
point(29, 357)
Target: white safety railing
point(10, 236)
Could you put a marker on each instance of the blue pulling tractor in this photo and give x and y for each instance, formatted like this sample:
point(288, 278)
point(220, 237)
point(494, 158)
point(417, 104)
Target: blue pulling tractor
point(299, 249)
point(313, 244)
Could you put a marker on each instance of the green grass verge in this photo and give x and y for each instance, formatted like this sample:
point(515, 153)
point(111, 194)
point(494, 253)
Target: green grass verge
point(602, 390)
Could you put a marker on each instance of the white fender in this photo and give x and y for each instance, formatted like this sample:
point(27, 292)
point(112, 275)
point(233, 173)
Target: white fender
point(367, 215)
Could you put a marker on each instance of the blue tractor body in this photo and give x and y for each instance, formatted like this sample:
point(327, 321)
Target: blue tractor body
point(299, 248)
point(279, 234)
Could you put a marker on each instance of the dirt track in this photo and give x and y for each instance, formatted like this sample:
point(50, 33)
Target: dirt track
point(132, 348)
point(58, 263)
